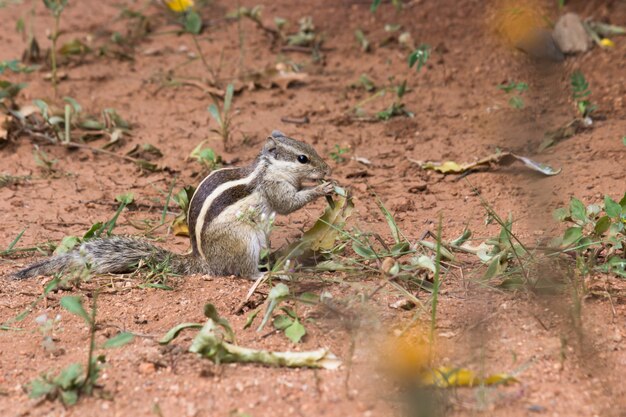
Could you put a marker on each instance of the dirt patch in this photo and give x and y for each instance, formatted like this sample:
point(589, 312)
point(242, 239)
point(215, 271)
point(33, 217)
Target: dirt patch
point(459, 114)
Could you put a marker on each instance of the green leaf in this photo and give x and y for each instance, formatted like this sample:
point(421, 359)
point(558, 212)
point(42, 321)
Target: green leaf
point(613, 209)
point(363, 251)
point(228, 97)
point(17, 239)
point(516, 102)
point(250, 319)
point(578, 210)
point(120, 340)
point(560, 214)
point(174, 331)
point(374, 6)
point(74, 305)
point(391, 222)
point(92, 124)
point(77, 108)
point(295, 332)
point(67, 244)
point(282, 322)
point(125, 198)
point(279, 292)
point(192, 22)
point(572, 235)
point(602, 225)
point(40, 387)
point(94, 231)
point(211, 312)
point(156, 285)
point(496, 267)
point(399, 248)
point(69, 377)
point(215, 113)
point(419, 56)
point(309, 298)
point(69, 397)
point(43, 108)
point(622, 202)
point(276, 295)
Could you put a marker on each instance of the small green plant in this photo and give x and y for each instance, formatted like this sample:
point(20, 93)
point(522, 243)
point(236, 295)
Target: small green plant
point(223, 117)
point(336, 154)
point(306, 35)
point(580, 93)
point(365, 83)
point(419, 57)
point(157, 274)
point(73, 382)
point(56, 7)
point(9, 90)
point(375, 3)
point(397, 106)
point(624, 140)
point(44, 161)
point(596, 234)
point(515, 101)
point(206, 157)
point(364, 44)
point(182, 198)
point(289, 322)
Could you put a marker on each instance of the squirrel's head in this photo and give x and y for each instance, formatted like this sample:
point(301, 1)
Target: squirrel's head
point(294, 158)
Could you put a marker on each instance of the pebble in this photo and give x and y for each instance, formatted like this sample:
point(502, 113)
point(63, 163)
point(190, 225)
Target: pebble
point(147, 368)
point(570, 34)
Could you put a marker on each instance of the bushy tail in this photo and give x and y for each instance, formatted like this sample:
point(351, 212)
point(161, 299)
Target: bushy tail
point(115, 255)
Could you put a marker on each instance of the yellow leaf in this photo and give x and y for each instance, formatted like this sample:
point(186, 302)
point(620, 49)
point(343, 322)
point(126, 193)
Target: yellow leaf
point(445, 167)
point(179, 6)
point(180, 227)
point(445, 377)
point(607, 43)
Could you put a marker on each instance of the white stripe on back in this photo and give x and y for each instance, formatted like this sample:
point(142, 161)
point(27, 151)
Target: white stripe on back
point(206, 204)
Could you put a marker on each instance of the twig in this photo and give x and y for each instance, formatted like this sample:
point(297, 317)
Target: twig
point(295, 120)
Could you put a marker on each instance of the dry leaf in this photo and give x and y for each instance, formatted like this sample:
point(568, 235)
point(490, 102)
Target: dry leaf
point(501, 158)
point(4, 121)
point(321, 237)
point(279, 76)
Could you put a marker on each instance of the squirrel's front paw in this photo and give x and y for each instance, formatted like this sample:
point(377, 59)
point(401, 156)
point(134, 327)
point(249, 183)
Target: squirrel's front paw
point(325, 188)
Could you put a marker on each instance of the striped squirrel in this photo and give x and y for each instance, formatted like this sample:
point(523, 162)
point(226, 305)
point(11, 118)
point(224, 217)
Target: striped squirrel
point(228, 218)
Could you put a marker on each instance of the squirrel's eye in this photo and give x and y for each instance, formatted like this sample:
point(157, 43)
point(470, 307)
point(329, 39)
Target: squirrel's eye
point(303, 159)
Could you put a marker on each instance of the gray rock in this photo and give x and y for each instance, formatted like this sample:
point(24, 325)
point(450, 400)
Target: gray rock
point(570, 34)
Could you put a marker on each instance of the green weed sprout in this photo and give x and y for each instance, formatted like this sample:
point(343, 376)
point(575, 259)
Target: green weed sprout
point(580, 93)
point(56, 7)
point(223, 117)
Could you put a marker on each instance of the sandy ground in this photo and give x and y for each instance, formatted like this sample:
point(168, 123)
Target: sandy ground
point(459, 114)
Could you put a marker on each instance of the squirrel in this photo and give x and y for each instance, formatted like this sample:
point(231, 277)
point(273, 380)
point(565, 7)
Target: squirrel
point(229, 216)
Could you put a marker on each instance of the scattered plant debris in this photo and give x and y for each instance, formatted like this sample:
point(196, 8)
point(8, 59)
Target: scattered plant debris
point(216, 341)
point(498, 158)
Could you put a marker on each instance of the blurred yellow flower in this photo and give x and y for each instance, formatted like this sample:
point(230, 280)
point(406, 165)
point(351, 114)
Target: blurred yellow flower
point(607, 43)
point(179, 5)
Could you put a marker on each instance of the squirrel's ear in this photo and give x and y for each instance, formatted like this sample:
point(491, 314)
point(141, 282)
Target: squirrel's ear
point(270, 145)
point(278, 134)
